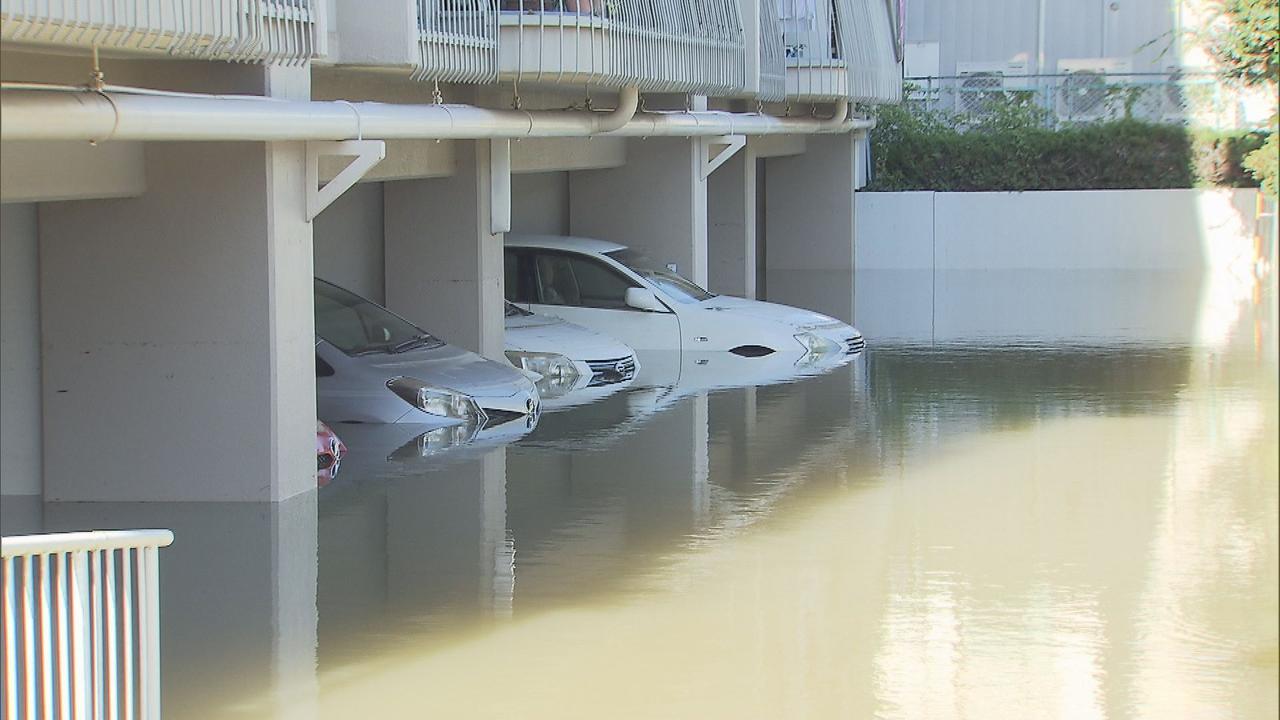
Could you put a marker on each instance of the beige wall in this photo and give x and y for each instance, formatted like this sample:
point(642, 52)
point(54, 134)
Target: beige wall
point(45, 171)
point(540, 203)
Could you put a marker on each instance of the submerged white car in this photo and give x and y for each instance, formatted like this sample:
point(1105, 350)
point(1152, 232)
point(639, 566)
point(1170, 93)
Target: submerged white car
point(373, 366)
point(567, 357)
point(616, 290)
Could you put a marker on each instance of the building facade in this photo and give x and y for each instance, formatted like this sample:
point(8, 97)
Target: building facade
point(174, 174)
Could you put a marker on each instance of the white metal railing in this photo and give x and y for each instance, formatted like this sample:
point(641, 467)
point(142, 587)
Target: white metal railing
point(81, 615)
point(240, 30)
point(840, 49)
point(457, 41)
point(773, 55)
point(655, 45)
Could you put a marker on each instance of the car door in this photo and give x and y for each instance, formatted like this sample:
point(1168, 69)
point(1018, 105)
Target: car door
point(587, 291)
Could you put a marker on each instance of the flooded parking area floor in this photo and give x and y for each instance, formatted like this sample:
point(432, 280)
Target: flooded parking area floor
point(1070, 524)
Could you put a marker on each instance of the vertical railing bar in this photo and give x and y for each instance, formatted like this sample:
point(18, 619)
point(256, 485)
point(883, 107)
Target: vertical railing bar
point(127, 592)
point(79, 613)
point(46, 637)
point(64, 640)
point(11, 640)
point(153, 632)
point(95, 593)
point(113, 703)
point(28, 638)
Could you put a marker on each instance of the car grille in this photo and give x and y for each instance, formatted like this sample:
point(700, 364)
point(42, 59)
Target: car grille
point(500, 417)
point(608, 372)
point(854, 345)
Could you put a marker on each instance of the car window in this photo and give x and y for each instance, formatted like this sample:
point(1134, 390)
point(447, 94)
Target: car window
point(556, 284)
point(600, 286)
point(356, 326)
point(676, 286)
point(580, 281)
point(519, 281)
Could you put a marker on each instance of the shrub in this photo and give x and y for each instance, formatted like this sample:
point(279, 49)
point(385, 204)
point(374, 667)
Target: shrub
point(1011, 149)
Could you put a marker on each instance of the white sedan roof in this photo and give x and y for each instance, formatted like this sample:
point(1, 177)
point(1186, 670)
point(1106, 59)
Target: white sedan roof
point(563, 242)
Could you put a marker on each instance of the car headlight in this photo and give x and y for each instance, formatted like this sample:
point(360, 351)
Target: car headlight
point(551, 366)
point(817, 344)
point(441, 402)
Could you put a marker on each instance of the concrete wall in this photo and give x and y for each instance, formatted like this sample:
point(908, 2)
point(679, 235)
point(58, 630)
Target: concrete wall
point(731, 226)
point(1074, 230)
point(20, 462)
point(656, 202)
point(540, 203)
point(348, 241)
point(443, 266)
point(935, 267)
point(177, 335)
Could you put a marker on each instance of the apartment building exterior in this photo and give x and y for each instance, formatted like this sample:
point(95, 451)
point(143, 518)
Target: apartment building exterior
point(174, 174)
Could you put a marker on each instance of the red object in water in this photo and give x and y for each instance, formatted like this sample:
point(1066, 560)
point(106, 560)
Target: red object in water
point(329, 452)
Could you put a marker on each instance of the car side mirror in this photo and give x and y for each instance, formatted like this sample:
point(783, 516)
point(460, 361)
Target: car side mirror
point(644, 299)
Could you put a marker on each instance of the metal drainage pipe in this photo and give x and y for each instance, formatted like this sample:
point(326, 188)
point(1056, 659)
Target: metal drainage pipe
point(38, 113)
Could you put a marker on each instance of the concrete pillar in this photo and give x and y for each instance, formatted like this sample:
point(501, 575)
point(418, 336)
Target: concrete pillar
point(657, 203)
point(20, 413)
point(443, 266)
point(177, 331)
point(809, 227)
point(731, 226)
point(237, 601)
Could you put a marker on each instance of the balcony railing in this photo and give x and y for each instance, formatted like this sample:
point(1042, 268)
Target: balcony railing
point(457, 41)
point(840, 49)
point(238, 30)
point(773, 55)
point(656, 45)
point(82, 624)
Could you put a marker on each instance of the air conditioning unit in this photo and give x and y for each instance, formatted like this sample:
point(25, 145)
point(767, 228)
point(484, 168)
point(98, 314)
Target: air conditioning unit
point(1086, 92)
point(979, 83)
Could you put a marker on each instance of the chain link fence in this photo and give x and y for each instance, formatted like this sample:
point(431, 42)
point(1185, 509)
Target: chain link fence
point(1200, 100)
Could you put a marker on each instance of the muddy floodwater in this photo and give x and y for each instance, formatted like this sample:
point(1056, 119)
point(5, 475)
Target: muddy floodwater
point(1003, 509)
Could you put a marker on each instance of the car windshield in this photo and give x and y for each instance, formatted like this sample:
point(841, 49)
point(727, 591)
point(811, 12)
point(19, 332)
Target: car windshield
point(513, 311)
point(358, 327)
point(680, 288)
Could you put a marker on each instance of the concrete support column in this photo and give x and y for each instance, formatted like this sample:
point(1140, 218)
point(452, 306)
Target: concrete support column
point(19, 352)
point(731, 226)
point(178, 336)
point(657, 203)
point(809, 226)
point(443, 266)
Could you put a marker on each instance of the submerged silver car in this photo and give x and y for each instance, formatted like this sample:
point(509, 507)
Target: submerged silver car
point(373, 366)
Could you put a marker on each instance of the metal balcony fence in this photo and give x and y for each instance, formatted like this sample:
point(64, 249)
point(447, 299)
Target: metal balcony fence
point(457, 41)
point(656, 45)
point(82, 624)
point(1201, 100)
point(773, 54)
point(840, 49)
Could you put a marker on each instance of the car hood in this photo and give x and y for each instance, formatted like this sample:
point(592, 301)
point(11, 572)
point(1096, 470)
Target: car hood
point(539, 333)
point(795, 318)
point(453, 368)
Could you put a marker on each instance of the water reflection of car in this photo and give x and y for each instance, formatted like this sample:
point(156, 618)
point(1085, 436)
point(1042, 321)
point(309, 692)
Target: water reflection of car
point(373, 366)
point(616, 290)
point(388, 450)
point(569, 358)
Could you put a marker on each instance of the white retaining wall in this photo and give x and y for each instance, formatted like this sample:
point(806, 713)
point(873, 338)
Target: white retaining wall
point(1064, 230)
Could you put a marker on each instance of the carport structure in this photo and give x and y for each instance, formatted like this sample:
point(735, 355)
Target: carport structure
point(175, 174)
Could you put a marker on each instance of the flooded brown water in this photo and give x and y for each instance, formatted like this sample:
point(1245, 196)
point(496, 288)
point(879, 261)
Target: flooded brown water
point(1066, 516)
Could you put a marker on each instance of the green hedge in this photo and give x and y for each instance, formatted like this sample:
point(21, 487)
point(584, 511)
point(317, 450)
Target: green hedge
point(1014, 151)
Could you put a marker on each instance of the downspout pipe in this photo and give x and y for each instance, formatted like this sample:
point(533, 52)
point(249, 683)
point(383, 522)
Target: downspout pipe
point(114, 114)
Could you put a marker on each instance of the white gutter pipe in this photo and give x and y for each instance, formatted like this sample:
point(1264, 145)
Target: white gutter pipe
point(40, 113)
